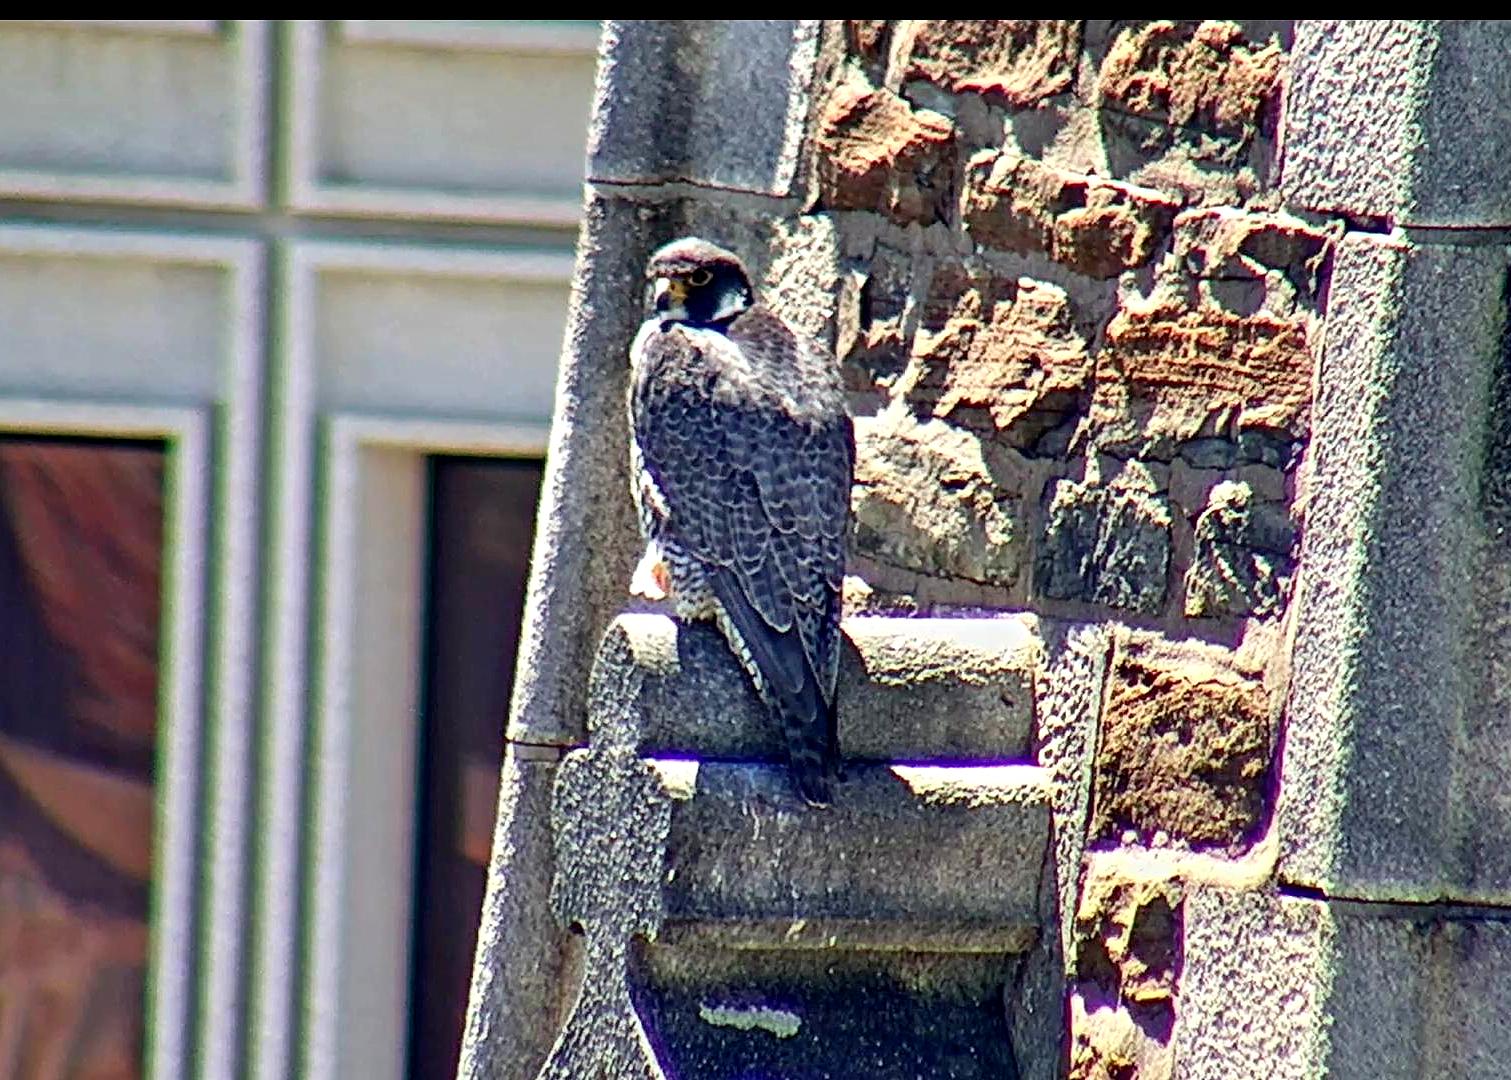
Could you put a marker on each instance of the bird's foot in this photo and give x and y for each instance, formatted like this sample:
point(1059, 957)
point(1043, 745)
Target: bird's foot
point(651, 579)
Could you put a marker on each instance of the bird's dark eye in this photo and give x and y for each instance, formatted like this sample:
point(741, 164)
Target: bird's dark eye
point(699, 278)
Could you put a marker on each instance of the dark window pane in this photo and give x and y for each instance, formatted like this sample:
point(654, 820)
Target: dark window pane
point(482, 522)
point(81, 536)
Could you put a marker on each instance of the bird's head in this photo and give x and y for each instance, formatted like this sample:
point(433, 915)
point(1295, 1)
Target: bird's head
point(698, 283)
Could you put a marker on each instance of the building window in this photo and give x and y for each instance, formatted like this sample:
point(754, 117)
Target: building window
point(81, 544)
point(482, 522)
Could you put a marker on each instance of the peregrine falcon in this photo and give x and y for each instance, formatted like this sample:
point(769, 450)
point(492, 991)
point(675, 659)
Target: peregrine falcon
point(742, 455)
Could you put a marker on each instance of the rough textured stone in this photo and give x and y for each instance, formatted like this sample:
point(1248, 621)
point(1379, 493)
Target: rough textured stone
point(1128, 968)
point(1402, 120)
point(1007, 361)
point(1097, 226)
point(610, 817)
point(1105, 544)
point(1344, 990)
point(1254, 987)
point(878, 153)
point(910, 689)
point(920, 858)
point(514, 1011)
point(1192, 75)
point(929, 497)
point(1068, 710)
point(867, 38)
point(1275, 258)
point(1395, 769)
point(1185, 748)
point(1171, 373)
point(661, 112)
point(1019, 62)
point(870, 339)
point(1244, 555)
point(802, 278)
point(586, 535)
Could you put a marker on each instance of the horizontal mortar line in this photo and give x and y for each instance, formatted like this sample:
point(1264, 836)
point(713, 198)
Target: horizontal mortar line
point(282, 224)
point(681, 188)
point(1457, 235)
point(532, 751)
point(1436, 910)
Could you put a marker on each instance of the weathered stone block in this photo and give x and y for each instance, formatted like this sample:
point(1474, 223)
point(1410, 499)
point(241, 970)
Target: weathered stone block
point(909, 690)
point(1231, 247)
point(1254, 987)
point(1170, 373)
point(1127, 966)
point(1105, 545)
point(661, 112)
point(1190, 75)
point(1096, 226)
point(918, 858)
point(1395, 772)
point(1019, 62)
point(878, 153)
point(587, 539)
point(1007, 361)
point(866, 39)
point(934, 499)
point(1346, 990)
point(1184, 749)
point(1402, 120)
point(1244, 555)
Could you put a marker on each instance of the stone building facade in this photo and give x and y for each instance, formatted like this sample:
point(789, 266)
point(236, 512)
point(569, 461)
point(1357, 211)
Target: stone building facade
point(1178, 593)
point(273, 296)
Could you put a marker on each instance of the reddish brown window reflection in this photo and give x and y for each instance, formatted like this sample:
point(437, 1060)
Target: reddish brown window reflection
point(482, 522)
point(81, 535)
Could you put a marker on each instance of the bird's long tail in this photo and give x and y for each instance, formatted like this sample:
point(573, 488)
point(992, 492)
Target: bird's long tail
point(786, 682)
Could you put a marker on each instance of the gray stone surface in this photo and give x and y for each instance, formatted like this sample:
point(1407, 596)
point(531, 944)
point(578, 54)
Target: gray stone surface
point(1106, 545)
point(918, 858)
point(513, 1011)
point(910, 690)
point(1347, 990)
point(586, 539)
point(609, 816)
point(933, 498)
point(717, 103)
point(1254, 987)
point(1403, 120)
point(1389, 790)
point(1244, 555)
point(1069, 703)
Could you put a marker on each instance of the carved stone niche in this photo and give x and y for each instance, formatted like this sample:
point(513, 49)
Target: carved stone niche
point(732, 931)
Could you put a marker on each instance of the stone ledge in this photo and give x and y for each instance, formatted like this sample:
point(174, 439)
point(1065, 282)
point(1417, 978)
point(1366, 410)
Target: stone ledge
point(910, 690)
point(919, 859)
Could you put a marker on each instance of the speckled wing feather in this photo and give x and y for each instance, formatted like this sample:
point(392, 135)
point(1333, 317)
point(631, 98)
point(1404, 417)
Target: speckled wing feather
point(746, 439)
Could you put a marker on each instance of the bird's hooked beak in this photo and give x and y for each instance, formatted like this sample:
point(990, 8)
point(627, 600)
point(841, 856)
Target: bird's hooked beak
point(669, 296)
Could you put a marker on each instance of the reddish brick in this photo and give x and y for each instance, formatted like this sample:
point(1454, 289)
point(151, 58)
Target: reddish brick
point(1096, 226)
point(1019, 62)
point(1170, 372)
point(878, 153)
point(1201, 75)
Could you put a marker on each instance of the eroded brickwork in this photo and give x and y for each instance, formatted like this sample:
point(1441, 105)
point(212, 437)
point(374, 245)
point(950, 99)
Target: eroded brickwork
point(1080, 337)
